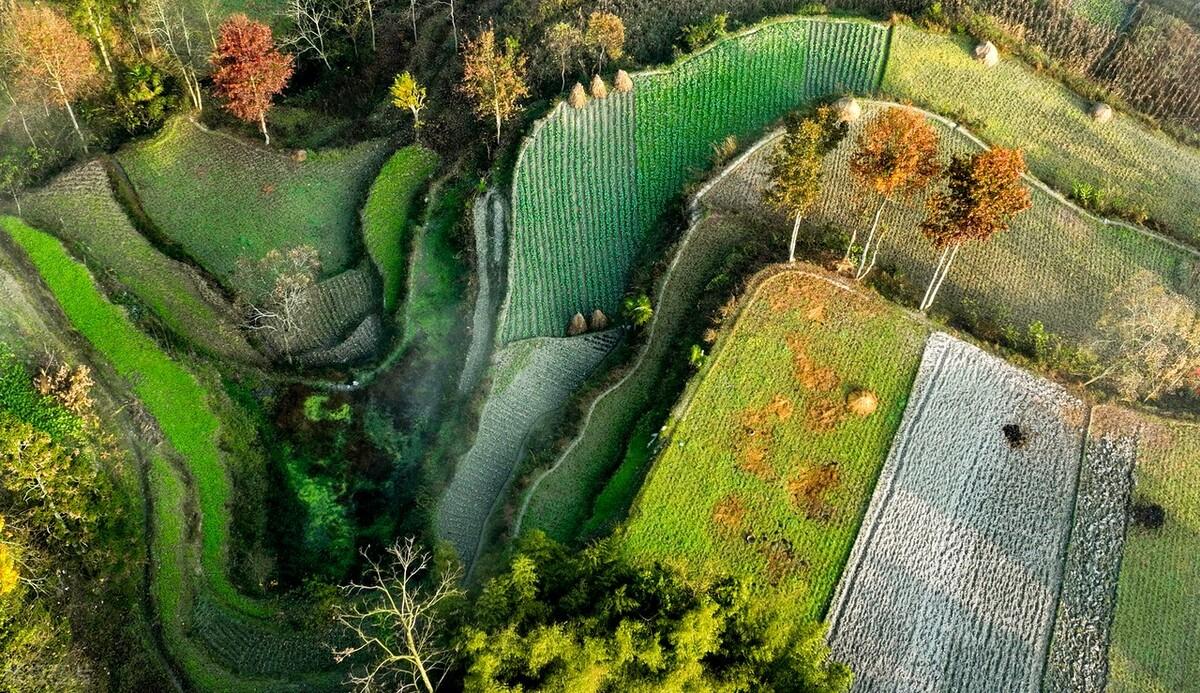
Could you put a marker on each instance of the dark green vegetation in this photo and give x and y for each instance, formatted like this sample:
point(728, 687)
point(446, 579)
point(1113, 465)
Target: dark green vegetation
point(607, 172)
point(385, 217)
point(558, 620)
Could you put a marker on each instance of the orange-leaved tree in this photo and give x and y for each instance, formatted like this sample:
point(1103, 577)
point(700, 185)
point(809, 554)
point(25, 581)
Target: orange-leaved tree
point(494, 79)
point(248, 70)
point(896, 155)
point(797, 163)
point(48, 60)
point(983, 193)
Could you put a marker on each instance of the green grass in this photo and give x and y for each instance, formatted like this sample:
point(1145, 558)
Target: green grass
point(385, 223)
point(616, 498)
point(591, 183)
point(1105, 13)
point(223, 199)
point(1154, 644)
point(706, 493)
point(436, 274)
point(1011, 106)
point(80, 207)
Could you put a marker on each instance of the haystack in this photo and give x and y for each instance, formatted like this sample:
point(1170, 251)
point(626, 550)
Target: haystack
point(599, 320)
point(1102, 113)
point(988, 54)
point(848, 109)
point(578, 326)
point(623, 83)
point(862, 403)
point(599, 88)
point(578, 98)
point(300, 155)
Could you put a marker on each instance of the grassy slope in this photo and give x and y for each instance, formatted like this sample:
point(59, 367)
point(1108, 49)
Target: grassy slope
point(435, 271)
point(222, 198)
point(563, 500)
point(702, 475)
point(81, 207)
point(1011, 106)
point(1154, 644)
point(176, 400)
point(592, 183)
point(385, 216)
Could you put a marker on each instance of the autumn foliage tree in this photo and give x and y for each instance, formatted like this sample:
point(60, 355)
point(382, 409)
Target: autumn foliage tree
point(248, 71)
point(48, 60)
point(408, 94)
point(562, 42)
point(605, 37)
point(896, 154)
point(983, 193)
point(494, 79)
point(797, 164)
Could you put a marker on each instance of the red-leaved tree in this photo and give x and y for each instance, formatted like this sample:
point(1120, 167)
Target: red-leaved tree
point(248, 70)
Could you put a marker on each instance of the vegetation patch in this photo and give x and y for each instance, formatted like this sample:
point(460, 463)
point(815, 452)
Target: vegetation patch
point(778, 542)
point(225, 200)
point(385, 218)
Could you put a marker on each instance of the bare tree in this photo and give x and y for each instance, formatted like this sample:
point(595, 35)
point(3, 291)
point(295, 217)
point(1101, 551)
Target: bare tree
point(174, 27)
point(395, 621)
point(277, 289)
point(313, 20)
point(1150, 338)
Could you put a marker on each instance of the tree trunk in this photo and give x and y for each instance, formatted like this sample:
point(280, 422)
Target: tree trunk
point(99, 39)
point(75, 123)
point(262, 123)
point(371, 21)
point(792, 246)
point(935, 288)
point(412, 14)
point(933, 280)
point(497, 122)
point(863, 267)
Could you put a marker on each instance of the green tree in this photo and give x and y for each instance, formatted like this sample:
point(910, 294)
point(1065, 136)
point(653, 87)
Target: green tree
point(797, 163)
point(638, 310)
point(560, 619)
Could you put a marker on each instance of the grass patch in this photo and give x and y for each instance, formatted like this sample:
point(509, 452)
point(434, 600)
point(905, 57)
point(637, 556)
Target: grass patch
point(1154, 645)
point(386, 215)
point(223, 199)
point(436, 270)
point(1011, 106)
point(744, 465)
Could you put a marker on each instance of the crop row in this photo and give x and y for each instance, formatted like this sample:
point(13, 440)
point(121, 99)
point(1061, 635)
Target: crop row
point(954, 578)
point(765, 472)
point(591, 183)
point(531, 379)
point(326, 312)
point(1054, 265)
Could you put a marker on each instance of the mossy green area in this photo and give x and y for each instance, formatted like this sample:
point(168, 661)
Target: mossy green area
point(1134, 167)
point(225, 200)
point(765, 472)
point(385, 218)
point(435, 277)
point(1154, 636)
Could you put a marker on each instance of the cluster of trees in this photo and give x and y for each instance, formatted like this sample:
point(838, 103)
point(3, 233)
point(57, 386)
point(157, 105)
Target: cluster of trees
point(561, 620)
point(897, 154)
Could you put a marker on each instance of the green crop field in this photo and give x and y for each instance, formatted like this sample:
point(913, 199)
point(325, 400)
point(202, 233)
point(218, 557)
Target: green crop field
point(591, 183)
point(765, 472)
point(1011, 106)
point(1055, 265)
point(1154, 645)
point(223, 199)
point(1105, 13)
point(80, 207)
point(385, 223)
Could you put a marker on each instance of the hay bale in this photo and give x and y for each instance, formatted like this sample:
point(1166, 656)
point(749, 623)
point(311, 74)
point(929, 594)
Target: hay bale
point(300, 155)
point(578, 98)
point(848, 109)
point(1102, 113)
point(988, 54)
point(599, 320)
point(577, 326)
point(599, 88)
point(862, 403)
point(623, 83)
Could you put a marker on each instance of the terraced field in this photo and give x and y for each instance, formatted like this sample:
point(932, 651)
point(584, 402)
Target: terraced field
point(531, 379)
point(1011, 106)
point(954, 579)
point(385, 217)
point(183, 568)
point(1154, 644)
point(765, 472)
point(1056, 264)
point(590, 184)
point(222, 198)
point(79, 206)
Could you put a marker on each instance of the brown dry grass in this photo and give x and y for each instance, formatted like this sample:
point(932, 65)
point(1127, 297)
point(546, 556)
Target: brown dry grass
point(806, 370)
point(757, 431)
point(729, 515)
point(824, 414)
point(809, 488)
